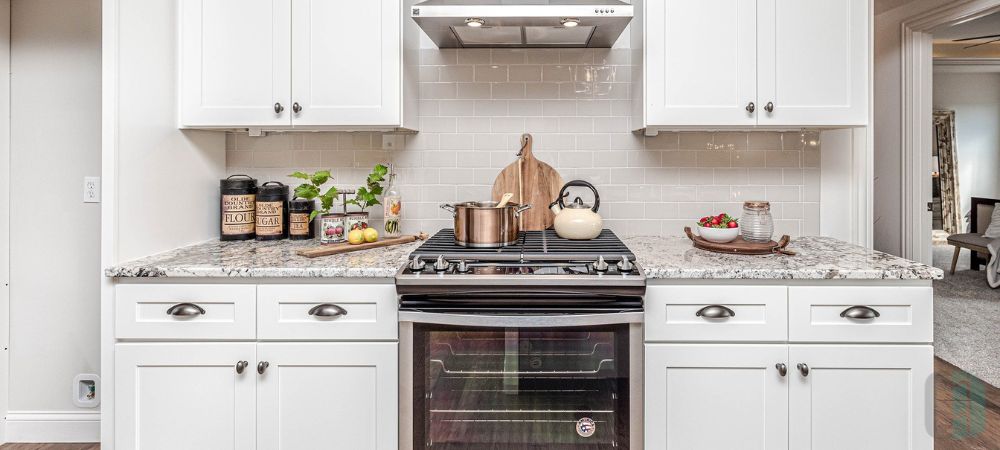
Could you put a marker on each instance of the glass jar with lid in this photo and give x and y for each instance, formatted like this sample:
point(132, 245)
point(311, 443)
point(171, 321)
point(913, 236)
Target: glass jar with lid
point(757, 225)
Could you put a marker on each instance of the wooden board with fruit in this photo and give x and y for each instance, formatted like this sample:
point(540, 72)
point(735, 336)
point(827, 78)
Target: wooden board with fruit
point(739, 246)
point(358, 243)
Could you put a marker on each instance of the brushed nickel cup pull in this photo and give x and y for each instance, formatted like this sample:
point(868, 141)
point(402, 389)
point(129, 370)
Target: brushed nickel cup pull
point(751, 108)
point(185, 310)
point(278, 108)
point(769, 107)
point(803, 369)
point(860, 312)
point(241, 366)
point(782, 369)
point(296, 107)
point(327, 310)
point(262, 366)
point(715, 312)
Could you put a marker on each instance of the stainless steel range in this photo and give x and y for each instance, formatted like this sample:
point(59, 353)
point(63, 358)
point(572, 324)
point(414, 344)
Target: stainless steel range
point(532, 346)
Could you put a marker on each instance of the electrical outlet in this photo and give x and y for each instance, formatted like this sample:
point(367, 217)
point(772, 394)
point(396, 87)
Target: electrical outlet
point(91, 189)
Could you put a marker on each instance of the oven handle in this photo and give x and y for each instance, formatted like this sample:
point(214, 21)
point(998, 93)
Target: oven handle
point(521, 321)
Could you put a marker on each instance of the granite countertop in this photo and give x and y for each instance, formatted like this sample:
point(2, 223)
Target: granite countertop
point(818, 258)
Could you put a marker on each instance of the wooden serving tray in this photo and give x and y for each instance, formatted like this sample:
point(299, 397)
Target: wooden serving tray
point(740, 246)
point(346, 247)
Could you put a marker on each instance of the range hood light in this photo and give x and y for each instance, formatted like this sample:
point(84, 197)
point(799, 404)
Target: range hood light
point(475, 23)
point(570, 23)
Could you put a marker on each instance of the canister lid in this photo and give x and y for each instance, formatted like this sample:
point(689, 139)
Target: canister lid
point(301, 205)
point(238, 182)
point(757, 204)
point(273, 188)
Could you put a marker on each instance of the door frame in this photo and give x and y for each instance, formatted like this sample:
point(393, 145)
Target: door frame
point(916, 83)
point(4, 216)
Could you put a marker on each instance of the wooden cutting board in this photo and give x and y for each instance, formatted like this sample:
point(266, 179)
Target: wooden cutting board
point(534, 183)
point(740, 246)
point(346, 247)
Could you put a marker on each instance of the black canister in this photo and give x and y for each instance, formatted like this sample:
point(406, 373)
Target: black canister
point(237, 207)
point(299, 224)
point(272, 211)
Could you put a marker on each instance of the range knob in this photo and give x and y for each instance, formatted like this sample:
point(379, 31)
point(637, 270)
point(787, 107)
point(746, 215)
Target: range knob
point(625, 265)
point(601, 265)
point(441, 264)
point(417, 264)
point(462, 266)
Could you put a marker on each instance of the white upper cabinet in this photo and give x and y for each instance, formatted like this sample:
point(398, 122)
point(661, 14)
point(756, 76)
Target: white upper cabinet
point(702, 63)
point(296, 64)
point(756, 63)
point(345, 62)
point(235, 63)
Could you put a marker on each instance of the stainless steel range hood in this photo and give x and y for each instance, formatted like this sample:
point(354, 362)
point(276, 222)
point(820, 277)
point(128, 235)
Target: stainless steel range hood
point(522, 23)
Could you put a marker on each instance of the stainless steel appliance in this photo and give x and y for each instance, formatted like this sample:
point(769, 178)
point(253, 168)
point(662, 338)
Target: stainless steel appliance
point(532, 346)
point(484, 225)
point(522, 23)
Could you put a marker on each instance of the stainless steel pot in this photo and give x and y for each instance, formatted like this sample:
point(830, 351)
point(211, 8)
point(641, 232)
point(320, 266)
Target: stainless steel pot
point(483, 225)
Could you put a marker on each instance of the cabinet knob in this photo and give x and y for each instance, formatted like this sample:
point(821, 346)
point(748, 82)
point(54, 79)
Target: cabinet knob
point(715, 312)
point(860, 313)
point(262, 366)
point(803, 369)
point(185, 310)
point(769, 107)
point(296, 107)
point(241, 366)
point(751, 108)
point(327, 310)
point(278, 108)
point(782, 369)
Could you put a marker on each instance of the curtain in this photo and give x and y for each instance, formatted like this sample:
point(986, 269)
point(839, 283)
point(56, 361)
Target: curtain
point(944, 131)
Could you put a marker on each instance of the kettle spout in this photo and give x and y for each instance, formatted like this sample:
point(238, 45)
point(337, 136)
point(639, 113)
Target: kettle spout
point(555, 208)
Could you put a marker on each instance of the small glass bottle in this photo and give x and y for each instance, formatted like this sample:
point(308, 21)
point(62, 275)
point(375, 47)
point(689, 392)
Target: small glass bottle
point(757, 225)
point(393, 204)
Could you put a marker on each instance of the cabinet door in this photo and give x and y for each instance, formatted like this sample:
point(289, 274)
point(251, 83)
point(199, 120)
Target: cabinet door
point(235, 63)
point(346, 62)
point(715, 397)
point(813, 62)
point(701, 62)
point(328, 395)
point(190, 396)
point(861, 397)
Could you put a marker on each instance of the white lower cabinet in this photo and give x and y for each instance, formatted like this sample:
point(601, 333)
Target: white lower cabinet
point(184, 396)
point(328, 395)
point(863, 397)
point(716, 397)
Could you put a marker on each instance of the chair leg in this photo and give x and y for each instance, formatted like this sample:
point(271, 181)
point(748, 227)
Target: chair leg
point(973, 260)
point(954, 259)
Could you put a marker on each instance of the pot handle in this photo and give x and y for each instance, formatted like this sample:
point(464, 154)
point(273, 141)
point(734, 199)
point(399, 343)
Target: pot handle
point(581, 183)
point(450, 208)
point(521, 209)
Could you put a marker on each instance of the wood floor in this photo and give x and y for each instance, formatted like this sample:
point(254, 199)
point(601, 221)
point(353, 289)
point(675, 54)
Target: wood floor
point(966, 414)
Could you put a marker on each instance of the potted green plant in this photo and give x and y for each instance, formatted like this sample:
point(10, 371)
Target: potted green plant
point(332, 226)
point(365, 197)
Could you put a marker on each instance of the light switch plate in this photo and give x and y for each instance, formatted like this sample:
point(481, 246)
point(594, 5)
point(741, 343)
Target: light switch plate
point(91, 189)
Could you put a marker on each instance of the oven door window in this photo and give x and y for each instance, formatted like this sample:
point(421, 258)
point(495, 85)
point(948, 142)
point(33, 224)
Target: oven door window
point(521, 388)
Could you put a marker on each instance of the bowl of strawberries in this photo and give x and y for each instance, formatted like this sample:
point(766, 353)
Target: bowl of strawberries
point(721, 229)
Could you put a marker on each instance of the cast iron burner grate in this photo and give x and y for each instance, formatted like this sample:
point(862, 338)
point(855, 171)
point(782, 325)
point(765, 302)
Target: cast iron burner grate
point(531, 246)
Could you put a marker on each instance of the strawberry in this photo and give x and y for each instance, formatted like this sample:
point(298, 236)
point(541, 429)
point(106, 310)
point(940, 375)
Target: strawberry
point(716, 221)
point(731, 224)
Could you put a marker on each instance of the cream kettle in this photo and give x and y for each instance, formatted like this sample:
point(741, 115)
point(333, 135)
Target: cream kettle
point(577, 221)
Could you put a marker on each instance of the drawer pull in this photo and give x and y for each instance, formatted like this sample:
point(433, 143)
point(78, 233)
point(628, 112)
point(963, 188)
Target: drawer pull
point(241, 366)
point(185, 310)
point(803, 369)
point(327, 310)
point(782, 369)
point(860, 313)
point(715, 312)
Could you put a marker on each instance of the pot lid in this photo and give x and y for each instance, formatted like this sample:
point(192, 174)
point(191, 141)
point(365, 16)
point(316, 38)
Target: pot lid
point(578, 204)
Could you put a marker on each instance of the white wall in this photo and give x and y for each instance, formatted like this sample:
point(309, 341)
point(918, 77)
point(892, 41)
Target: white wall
point(55, 141)
point(4, 206)
point(975, 98)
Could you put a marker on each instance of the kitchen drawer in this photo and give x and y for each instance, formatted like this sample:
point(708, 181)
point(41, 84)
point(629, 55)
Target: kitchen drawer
point(905, 314)
point(759, 313)
point(202, 311)
point(356, 312)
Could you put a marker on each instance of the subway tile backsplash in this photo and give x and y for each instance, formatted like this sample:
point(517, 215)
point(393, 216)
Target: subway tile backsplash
point(476, 103)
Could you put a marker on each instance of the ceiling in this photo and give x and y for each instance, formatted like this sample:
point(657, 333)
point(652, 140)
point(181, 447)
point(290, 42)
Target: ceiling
point(982, 26)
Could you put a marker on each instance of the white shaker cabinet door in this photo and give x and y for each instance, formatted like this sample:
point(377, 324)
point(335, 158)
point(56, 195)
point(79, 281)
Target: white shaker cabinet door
point(716, 397)
point(813, 62)
point(328, 395)
point(701, 63)
point(184, 396)
point(235, 63)
point(861, 397)
point(346, 62)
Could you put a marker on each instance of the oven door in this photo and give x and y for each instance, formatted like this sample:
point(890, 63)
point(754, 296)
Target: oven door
point(471, 380)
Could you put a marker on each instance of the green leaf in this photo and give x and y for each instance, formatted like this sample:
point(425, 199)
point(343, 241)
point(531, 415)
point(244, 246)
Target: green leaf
point(332, 192)
point(321, 177)
point(313, 215)
point(306, 191)
point(300, 175)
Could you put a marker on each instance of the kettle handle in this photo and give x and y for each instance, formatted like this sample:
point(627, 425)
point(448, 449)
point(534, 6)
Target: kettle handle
point(581, 183)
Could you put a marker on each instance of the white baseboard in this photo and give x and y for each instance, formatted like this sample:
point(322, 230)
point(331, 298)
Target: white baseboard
point(53, 426)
